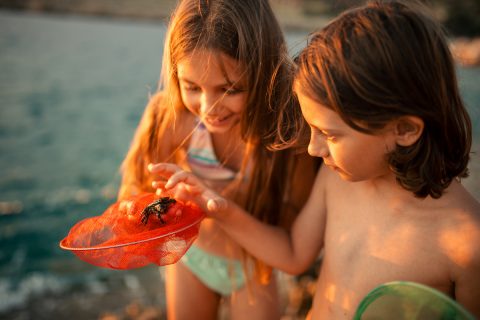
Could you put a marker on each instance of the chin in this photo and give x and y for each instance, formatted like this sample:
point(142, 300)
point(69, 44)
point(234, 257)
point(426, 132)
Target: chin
point(218, 129)
point(345, 176)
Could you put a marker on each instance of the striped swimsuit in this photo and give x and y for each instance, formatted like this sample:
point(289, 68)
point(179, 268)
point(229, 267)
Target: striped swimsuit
point(202, 160)
point(221, 274)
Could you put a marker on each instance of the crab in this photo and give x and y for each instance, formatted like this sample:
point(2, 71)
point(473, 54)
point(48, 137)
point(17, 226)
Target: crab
point(158, 207)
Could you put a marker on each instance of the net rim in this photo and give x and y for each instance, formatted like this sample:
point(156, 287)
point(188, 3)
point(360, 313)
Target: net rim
point(66, 247)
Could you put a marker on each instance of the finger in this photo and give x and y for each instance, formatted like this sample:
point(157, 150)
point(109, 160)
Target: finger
point(159, 187)
point(186, 178)
point(158, 184)
point(215, 203)
point(160, 190)
point(181, 193)
point(164, 169)
point(194, 189)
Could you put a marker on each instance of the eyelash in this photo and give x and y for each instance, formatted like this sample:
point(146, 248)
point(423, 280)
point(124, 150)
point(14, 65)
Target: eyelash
point(190, 88)
point(324, 135)
point(231, 91)
point(227, 91)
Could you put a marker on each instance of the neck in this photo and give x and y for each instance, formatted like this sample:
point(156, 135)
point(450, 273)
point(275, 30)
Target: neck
point(229, 147)
point(388, 187)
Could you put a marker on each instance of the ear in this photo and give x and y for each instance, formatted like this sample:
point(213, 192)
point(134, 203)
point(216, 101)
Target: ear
point(408, 130)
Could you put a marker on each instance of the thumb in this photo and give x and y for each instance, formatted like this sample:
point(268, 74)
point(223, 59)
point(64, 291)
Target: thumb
point(217, 205)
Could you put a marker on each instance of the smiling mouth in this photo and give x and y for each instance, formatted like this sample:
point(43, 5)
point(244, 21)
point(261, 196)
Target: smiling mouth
point(218, 120)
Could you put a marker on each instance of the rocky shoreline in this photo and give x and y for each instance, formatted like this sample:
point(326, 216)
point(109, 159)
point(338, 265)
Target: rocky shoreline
point(466, 51)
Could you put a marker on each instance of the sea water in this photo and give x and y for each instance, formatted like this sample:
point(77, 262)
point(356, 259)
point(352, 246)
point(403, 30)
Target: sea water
point(72, 91)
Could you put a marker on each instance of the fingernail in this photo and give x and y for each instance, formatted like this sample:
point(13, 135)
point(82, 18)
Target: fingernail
point(150, 166)
point(212, 205)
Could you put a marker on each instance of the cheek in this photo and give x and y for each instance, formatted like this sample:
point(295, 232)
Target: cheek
point(237, 104)
point(346, 154)
point(190, 101)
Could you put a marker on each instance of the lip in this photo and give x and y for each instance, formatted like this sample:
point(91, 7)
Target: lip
point(333, 167)
point(328, 164)
point(218, 121)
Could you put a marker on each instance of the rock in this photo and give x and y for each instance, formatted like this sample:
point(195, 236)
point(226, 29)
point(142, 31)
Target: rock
point(466, 51)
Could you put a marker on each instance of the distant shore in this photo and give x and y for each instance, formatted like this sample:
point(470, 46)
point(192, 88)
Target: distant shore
point(291, 16)
point(290, 13)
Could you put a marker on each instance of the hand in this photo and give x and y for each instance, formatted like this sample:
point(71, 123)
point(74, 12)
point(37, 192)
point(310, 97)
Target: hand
point(186, 186)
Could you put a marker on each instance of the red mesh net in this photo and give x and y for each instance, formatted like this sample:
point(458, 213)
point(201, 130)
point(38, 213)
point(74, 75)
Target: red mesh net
point(133, 233)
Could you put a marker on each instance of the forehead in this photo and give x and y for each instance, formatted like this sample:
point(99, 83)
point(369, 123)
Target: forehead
point(209, 65)
point(317, 114)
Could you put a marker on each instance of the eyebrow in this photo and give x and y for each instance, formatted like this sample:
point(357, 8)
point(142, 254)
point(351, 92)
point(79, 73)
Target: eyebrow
point(326, 130)
point(226, 84)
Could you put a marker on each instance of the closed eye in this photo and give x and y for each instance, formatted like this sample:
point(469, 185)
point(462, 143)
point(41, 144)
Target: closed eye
point(190, 88)
point(324, 134)
point(232, 91)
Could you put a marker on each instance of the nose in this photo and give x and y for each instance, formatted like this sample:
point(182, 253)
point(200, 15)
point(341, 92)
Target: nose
point(318, 147)
point(208, 104)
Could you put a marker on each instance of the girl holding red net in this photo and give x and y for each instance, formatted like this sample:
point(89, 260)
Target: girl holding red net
point(377, 86)
point(225, 80)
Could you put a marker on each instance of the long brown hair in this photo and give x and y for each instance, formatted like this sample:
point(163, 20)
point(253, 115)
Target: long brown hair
point(247, 31)
point(384, 60)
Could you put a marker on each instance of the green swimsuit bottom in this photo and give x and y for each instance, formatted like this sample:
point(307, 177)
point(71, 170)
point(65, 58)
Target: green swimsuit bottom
point(220, 274)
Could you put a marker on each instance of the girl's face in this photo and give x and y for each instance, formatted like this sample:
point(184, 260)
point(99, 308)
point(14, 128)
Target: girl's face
point(212, 87)
point(354, 155)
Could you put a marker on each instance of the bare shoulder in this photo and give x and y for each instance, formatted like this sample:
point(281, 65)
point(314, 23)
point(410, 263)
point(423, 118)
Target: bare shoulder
point(325, 177)
point(460, 232)
point(332, 183)
point(460, 240)
point(462, 208)
point(303, 175)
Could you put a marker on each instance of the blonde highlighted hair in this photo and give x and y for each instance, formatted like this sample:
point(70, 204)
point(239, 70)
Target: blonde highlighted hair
point(248, 32)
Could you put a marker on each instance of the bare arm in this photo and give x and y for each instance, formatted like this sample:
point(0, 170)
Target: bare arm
point(467, 279)
point(467, 289)
point(292, 252)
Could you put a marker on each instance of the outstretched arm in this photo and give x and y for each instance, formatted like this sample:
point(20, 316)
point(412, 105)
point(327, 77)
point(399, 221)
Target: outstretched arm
point(292, 252)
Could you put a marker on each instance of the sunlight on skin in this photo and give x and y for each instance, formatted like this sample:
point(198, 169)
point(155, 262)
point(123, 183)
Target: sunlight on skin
point(205, 89)
point(343, 238)
point(381, 245)
point(447, 240)
point(347, 301)
point(330, 293)
point(388, 248)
